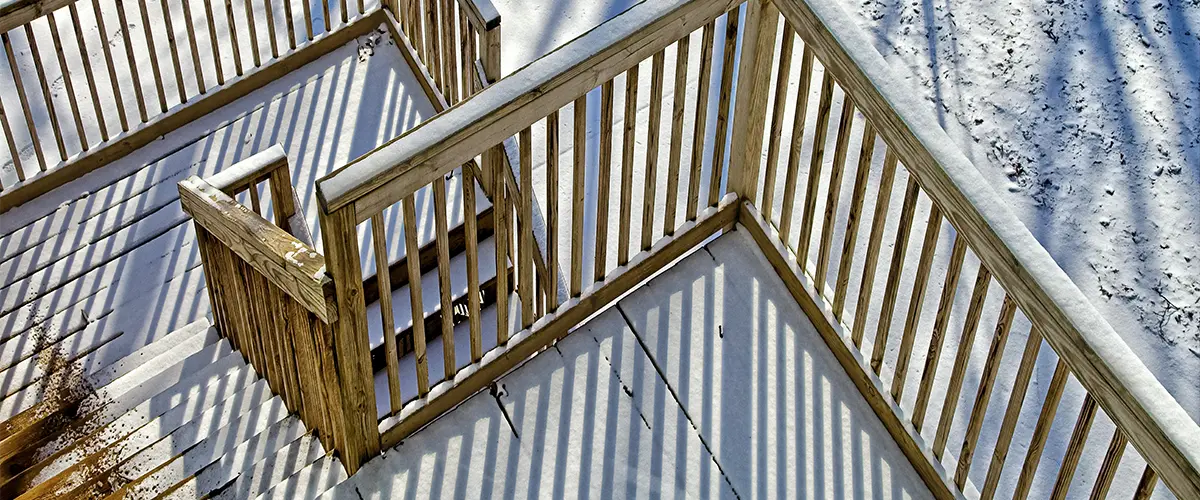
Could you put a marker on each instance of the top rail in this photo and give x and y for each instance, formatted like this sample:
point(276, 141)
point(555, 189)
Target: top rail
point(14, 13)
point(397, 168)
point(1104, 364)
point(482, 13)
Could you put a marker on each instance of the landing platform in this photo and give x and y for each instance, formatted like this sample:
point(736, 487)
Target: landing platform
point(708, 381)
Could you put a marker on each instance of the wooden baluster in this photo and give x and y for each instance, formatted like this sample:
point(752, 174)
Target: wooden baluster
point(12, 144)
point(1146, 484)
point(233, 40)
point(412, 253)
point(24, 99)
point(676, 145)
point(70, 89)
point(526, 287)
point(917, 299)
point(750, 104)
point(471, 235)
point(361, 8)
point(652, 132)
point(893, 280)
point(212, 38)
point(87, 70)
point(628, 138)
point(1042, 430)
point(717, 169)
point(603, 180)
point(289, 23)
point(416, 33)
point(270, 11)
point(191, 35)
point(308, 22)
point(133, 70)
point(551, 281)
point(699, 128)
point(112, 72)
point(1070, 461)
point(432, 43)
point(824, 107)
point(254, 201)
point(1009, 425)
point(449, 68)
point(775, 136)
point(966, 341)
point(166, 10)
point(494, 159)
point(793, 167)
point(466, 47)
point(845, 122)
point(325, 15)
point(853, 219)
point(987, 380)
point(148, 31)
point(871, 260)
point(442, 237)
point(386, 311)
point(253, 32)
point(1108, 469)
point(579, 147)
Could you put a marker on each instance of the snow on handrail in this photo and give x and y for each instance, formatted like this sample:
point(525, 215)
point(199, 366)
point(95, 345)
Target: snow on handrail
point(1104, 364)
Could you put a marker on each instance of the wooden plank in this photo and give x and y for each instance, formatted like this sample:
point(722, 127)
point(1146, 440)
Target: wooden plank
point(853, 219)
point(20, 86)
point(190, 27)
point(414, 289)
point(816, 159)
point(471, 234)
point(270, 12)
point(1146, 484)
point(87, 70)
point(506, 357)
point(652, 133)
point(494, 158)
point(387, 311)
point(628, 141)
point(1066, 471)
point(917, 298)
point(833, 193)
point(233, 90)
point(526, 288)
point(578, 192)
point(676, 145)
point(148, 31)
point(46, 95)
point(750, 105)
point(724, 96)
point(699, 125)
point(966, 341)
point(442, 237)
point(166, 11)
point(289, 264)
point(775, 136)
point(604, 181)
point(1008, 426)
point(1041, 432)
point(817, 309)
point(893, 277)
point(793, 166)
point(357, 421)
point(289, 23)
point(987, 381)
point(253, 32)
point(1126, 391)
point(552, 191)
point(212, 39)
point(874, 240)
point(233, 38)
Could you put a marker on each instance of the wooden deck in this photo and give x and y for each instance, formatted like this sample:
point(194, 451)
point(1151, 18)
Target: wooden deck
point(103, 270)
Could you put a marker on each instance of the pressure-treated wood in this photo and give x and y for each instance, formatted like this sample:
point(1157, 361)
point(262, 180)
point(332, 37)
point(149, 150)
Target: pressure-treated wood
point(414, 294)
point(793, 166)
point(493, 158)
point(965, 342)
point(652, 135)
point(699, 126)
point(24, 100)
point(853, 219)
point(87, 69)
point(874, 240)
point(835, 188)
point(750, 104)
point(1066, 471)
point(893, 277)
point(41, 77)
point(1041, 432)
point(816, 159)
point(628, 141)
point(915, 300)
point(675, 152)
point(578, 192)
point(471, 234)
point(148, 31)
point(604, 181)
point(775, 134)
point(987, 381)
point(174, 49)
point(724, 95)
point(552, 191)
point(442, 238)
point(525, 250)
point(386, 311)
point(1008, 426)
point(201, 86)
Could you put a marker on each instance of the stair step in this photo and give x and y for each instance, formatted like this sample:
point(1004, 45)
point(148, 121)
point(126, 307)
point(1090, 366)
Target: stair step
point(311, 481)
point(255, 480)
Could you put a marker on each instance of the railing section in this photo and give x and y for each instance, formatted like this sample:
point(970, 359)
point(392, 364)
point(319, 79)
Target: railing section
point(449, 38)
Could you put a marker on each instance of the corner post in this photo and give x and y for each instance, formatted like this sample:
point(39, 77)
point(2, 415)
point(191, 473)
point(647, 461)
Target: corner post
point(351, 353)
point(750, 104)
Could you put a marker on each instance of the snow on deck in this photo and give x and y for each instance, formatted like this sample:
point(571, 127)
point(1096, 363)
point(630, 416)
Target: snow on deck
point(108, 260)
point(707, 381)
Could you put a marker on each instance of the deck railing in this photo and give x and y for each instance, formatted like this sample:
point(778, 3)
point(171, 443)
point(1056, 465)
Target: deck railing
point(199, 55)
point(748, 169)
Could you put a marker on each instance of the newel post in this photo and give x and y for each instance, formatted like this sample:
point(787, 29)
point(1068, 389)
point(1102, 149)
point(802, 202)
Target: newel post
point(750, 104)
point(359, 420)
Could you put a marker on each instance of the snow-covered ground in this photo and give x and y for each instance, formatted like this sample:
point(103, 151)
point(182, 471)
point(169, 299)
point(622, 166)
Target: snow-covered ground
point(1082, 113)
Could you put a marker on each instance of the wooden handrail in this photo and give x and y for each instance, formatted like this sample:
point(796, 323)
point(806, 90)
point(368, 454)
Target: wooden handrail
point(14, 13)
point(435, 147)
point(481, 13)
point(1104, 364)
